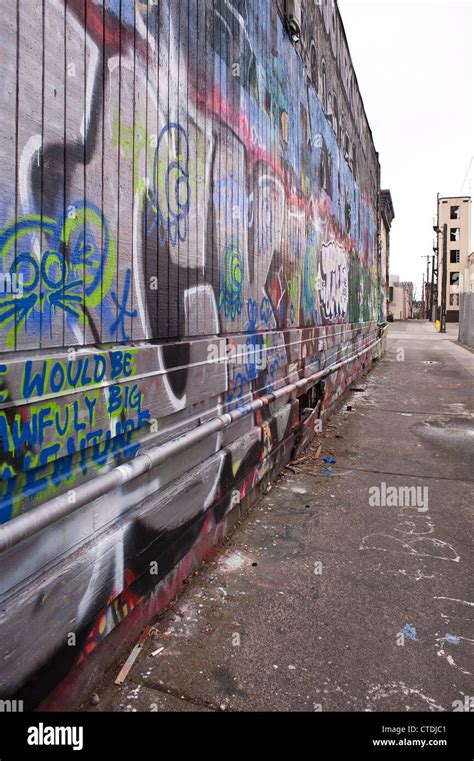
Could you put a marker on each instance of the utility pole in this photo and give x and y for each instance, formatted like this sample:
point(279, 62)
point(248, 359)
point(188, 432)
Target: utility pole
point(423, 295)
point(444, 280)
point(432, 287)
point(435, 271)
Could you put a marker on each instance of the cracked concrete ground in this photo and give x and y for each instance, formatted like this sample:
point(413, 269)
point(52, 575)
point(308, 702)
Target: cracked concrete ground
point(322, 601)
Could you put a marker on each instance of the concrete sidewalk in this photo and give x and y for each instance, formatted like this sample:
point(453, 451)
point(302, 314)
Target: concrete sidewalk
point(322, 601)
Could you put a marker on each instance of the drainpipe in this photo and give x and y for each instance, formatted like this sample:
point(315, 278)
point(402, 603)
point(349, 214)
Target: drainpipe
point(30, 523)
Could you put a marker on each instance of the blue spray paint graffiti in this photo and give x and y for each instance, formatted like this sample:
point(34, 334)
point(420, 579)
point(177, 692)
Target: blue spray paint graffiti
point(171, 189)
point(123, 312)
point(59, 263)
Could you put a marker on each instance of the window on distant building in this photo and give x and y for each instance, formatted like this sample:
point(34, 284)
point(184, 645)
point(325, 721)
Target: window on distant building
point(455, 213)
point(335, 115)
point(454, 256)
point(324, 89)
point(454, 278)
point(454, 300)
point(454, 233)
point(314, 64)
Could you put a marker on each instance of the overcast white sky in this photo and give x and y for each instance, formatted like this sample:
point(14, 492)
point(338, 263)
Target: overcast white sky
point(414, 65)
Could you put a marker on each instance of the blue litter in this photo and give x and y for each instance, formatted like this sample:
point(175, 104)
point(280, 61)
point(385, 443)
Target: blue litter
point(452, 639)
point(409, 631)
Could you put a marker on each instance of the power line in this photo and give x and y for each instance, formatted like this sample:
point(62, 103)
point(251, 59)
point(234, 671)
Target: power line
point(465, 176)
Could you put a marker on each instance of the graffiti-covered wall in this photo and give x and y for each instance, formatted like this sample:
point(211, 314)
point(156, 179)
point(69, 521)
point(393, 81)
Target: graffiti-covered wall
point(188, 221)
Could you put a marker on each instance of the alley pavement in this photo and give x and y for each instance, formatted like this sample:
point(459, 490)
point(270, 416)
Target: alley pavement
point(324, 598)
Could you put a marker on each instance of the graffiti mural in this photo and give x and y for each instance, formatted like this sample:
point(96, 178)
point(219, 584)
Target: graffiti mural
point(181, 182)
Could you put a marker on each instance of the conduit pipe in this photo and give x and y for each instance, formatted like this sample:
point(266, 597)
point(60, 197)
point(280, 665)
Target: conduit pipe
point(30, 523)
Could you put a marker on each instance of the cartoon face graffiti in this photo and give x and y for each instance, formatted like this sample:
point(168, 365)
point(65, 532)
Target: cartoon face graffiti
point(62, 265)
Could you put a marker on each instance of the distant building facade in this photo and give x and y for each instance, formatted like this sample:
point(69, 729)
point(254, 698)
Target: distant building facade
point(455, 213)
point(387, 215)
point(466, 306)
point(400, 298)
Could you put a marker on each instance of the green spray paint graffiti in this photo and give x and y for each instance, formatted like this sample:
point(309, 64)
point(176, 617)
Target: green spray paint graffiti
point(65, 265)
point(362, 292)
point(310, 277)
point(230, 296)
